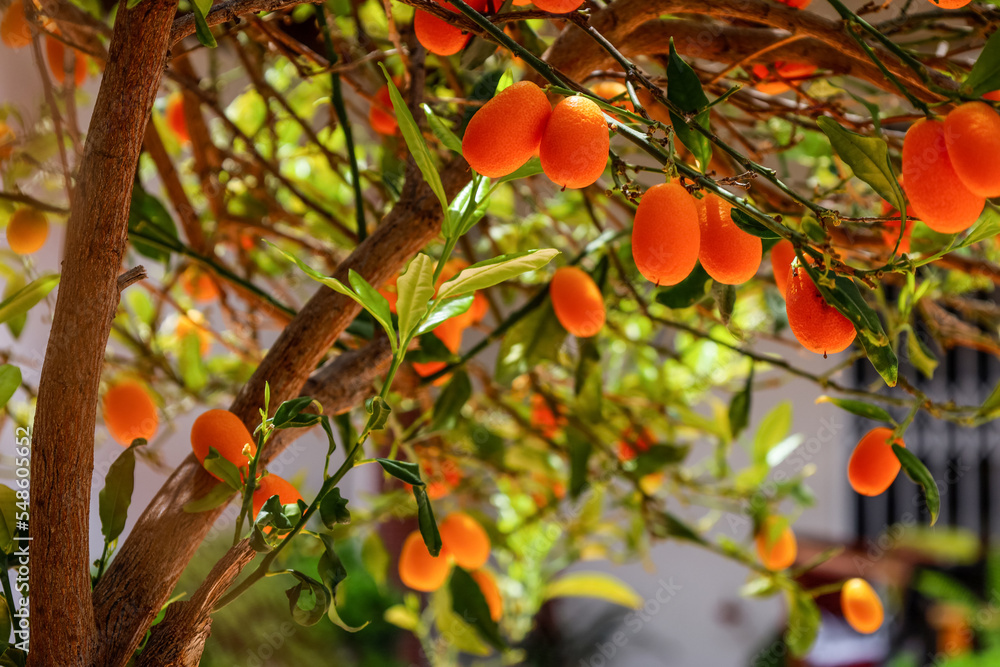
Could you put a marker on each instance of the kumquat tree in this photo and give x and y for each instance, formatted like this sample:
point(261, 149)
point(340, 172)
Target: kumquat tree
point(464, 307)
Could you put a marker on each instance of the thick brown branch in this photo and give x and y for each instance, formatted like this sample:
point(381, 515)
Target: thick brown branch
point(179, 639)
point(62, 617)
point(142, 574)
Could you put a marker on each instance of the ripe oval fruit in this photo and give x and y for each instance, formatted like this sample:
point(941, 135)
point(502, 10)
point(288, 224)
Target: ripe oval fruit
point(27, 230)
point(507, 130)
point(727, 253)
point(175, 118)
point(578, 301)
point(488, 586)
point(873, 465)
point(972, 135)
point(225, 432)
point(575, 144)
point(774, 83)
point(465, 540)
point(634, 443)
point(666, 235)
point(56, 53)
point(271, 485)
point(776, 553)
point(558, 6)
point(198, 285)
point(437, 35)
point(782, 255)
point(418, 569)
point(950, 4)
point(936, 193)
point(380, 115)
point(129, 412)
point(610, 90)
point(14, 29)
point(861, 606)
point(796, 4)
point(817, 325)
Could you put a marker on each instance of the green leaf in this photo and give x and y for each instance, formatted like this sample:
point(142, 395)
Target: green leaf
point(219, 495)
point(506, 81)
point(116, 496)
point(415, 288)
point(468, 208)
point(750, 225)
point(868, 158)
point(405, 471)
point(333, 509)
point(846, 297)
point(10, 380)
point(308, 600)
point(593, 585)
point(191, 364)
point(6, 625)
point(494, 271)
point(331, 569)
point(668, 525)
point(921, 356)
point(415, 141)
point(859, 408)
point(451, 400)
point(444, 309)
point(532, 341)
point(990, 409)
point(684, 90)
point(149, 217)
point(803, 622)
point(372, 301)
point(340, 288)
point(223, 469)
point(658, 457)
point(918, 472)
point(532, 167)
point(739, 407)
point(290, 414)
point(987, 228)
point(24, 299)
point(772, 430)
point(461, 636)
point(687, 292)
point(201, 28)
point(378, 413)
point(8, 518)
point(468, 602)
point(985, 74)
point(442, 131)
point(426, 521)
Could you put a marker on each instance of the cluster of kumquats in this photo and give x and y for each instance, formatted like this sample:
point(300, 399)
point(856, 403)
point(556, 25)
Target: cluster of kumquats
point(872, 468)
point(15, 32)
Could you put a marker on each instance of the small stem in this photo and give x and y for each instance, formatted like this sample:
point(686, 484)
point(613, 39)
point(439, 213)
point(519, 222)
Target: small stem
point(345, 123)
point(100, 566)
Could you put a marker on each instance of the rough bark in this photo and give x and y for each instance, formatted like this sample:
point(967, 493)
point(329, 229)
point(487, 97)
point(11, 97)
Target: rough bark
point(179, 639)
point(62, 619)
point(142, 573)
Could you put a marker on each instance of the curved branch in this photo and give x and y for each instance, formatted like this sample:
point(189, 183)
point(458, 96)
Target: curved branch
point(225, 12)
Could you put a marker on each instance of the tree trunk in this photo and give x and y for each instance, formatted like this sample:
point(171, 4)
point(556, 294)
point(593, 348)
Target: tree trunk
point(62, 461)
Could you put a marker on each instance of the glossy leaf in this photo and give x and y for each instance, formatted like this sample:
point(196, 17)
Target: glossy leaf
point(868, 158)
point(219, 495)
point(985, 74)
point(24, 299)
point(414, 289)
point(442, 131)
point(415, 141)
point(751, 226)
point(404, 471)
point(223, 469)
point(859, 408)
point(308, 600)
point(116, 496)
point(684, 90)
point(10, 380)
point(918, 472)
point(494, 271)
point(426, 521)
point(469, 603)
point(444, 309)
point(333, 509)
point(687, 292)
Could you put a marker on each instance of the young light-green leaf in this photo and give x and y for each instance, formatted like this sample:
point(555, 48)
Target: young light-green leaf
point(444, 309)
point(201, 27)
point(24, 299)
point(373, 302)
point(10, 380)
point(414, 290)
point(859, 408)
point(495, 271)
point(442, 131)
point(868, 158)
point(415, 141)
